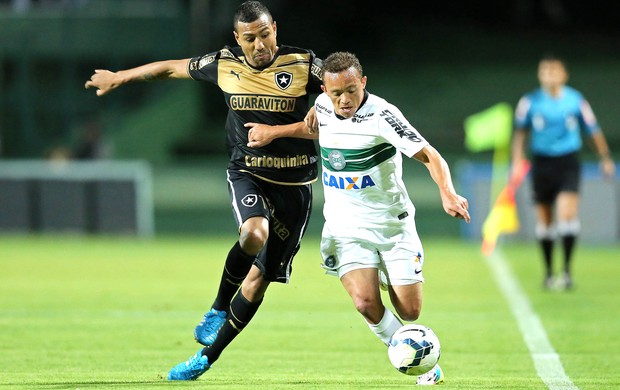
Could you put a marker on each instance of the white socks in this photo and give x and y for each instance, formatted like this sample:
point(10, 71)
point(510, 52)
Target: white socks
point(569, 228)
point(386, 327)
point(544, 232)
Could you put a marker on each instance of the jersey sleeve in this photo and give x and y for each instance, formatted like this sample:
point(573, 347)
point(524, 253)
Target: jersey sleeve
point(316, 75)
point(522, 118)
point(204, 68)
point(587, 118)
point(394, 127)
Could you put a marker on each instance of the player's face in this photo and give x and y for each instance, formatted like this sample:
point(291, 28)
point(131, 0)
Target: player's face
point(346, 90)
point(552, 74)
point(257, 40)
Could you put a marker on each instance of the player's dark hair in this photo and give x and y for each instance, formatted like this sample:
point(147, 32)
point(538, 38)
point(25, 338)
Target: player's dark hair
point(249, 11)
point(340, 61)
point(551, 57)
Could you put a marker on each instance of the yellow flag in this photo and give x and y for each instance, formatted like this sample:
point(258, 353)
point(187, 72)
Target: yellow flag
point(489, 129)
point(503, 216)
point(502, 219)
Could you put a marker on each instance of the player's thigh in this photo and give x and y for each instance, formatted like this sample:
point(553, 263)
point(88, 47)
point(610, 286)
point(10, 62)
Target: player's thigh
point(289, 213)
point(362, 285)
point(407, 299)
point(544, 213)
point(247, 197)
point(567, 205)
point(362, 282)
point(290, 208)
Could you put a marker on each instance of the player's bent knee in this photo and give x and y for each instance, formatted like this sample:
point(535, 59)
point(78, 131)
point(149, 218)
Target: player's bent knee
point(253, 240)
point(409, 313)
point(368, 307)
point(412, 316)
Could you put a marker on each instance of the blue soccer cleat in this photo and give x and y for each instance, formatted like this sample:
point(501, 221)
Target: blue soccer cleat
point(190, 370)
point(433, 377)
point(206, 331)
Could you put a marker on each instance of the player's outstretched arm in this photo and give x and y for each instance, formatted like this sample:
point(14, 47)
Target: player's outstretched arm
point(105, 81)
point(453, 203)
point(260, 134)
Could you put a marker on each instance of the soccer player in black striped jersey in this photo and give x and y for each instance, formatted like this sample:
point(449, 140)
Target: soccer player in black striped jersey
point(273, 162)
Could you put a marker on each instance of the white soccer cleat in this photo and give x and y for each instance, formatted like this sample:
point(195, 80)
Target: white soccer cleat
point(433, 377)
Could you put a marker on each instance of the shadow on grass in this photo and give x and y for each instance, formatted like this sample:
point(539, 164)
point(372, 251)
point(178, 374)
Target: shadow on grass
point(85, 385)
point(148, 384)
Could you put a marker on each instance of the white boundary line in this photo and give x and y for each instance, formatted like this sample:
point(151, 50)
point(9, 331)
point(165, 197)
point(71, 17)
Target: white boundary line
point(546, 360)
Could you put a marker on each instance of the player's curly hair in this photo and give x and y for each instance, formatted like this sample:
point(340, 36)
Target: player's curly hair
point(249, 11)
point(341, 61)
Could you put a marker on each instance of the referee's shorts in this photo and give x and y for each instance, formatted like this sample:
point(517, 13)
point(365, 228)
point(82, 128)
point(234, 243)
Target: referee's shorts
point(552, 175)
point(287, 207)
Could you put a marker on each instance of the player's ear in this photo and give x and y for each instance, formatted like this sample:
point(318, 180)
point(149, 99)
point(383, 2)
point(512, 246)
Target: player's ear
point(236, 35)
point(323, 88)
point(275, 28)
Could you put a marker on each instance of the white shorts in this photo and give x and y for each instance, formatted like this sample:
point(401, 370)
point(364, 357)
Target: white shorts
point(397, 252)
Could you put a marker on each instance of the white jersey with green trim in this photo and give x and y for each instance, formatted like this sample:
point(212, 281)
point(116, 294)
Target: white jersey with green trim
point(362, 163)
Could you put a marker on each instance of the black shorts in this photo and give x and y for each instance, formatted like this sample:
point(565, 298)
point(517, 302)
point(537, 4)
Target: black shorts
point(287, 207)
point(552, 175)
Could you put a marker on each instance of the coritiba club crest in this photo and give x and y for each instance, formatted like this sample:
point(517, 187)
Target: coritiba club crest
point(336, 160)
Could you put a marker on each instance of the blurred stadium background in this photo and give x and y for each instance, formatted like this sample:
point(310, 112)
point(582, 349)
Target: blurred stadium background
point(438, 61)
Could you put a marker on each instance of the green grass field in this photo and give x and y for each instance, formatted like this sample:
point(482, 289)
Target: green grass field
point(84, 312)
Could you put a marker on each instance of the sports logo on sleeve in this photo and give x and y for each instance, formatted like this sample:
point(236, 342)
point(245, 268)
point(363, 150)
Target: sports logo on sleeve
point(249, 200)
point(206, 60)
point(401, 129)
point(283, 79)
point(317, 69)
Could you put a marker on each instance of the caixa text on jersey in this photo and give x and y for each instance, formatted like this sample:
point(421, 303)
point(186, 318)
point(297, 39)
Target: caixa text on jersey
point(347, 182)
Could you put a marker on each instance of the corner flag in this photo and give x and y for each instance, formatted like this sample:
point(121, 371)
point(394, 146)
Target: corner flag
point(503, 216)
point(491, 129)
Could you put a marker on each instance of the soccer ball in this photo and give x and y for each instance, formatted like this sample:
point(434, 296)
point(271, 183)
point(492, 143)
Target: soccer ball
point(414, 349)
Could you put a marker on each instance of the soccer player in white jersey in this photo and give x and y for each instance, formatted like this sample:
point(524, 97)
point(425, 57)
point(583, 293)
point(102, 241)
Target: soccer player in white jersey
point(369, 218)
